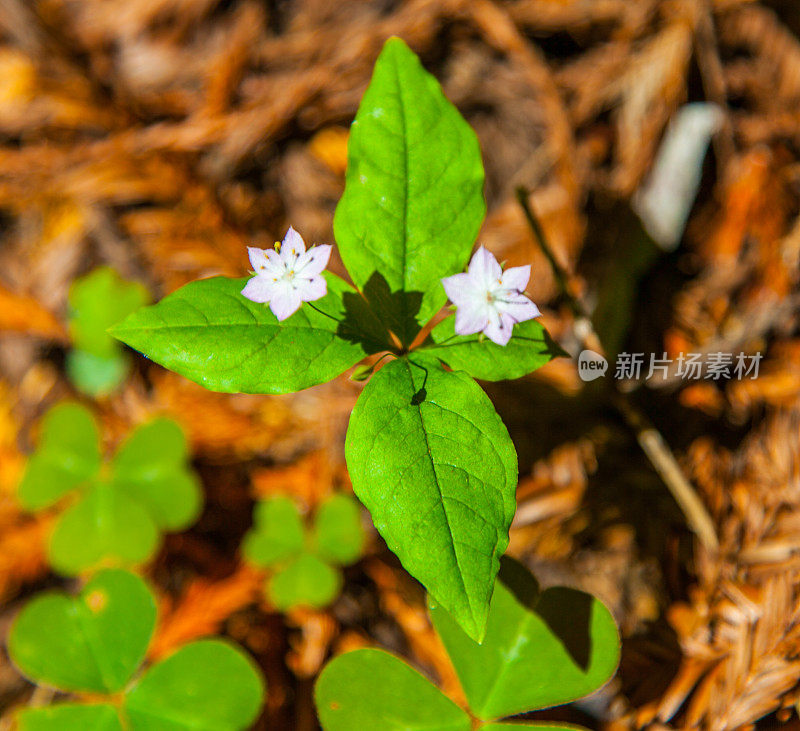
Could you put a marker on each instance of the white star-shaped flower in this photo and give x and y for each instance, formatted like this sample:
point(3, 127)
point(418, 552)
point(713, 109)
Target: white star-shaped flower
point(288, 275)
point(488, 299)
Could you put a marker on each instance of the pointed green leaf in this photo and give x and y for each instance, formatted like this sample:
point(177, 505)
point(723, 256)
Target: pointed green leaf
point(98, 301)
point(94, 642)
point(105, 527)
point(208, 332)
point(540, 649)
point(530, 348)
point(338, 534)
point(209, 685)
point(371, 689)
point(413, 200)
point(432, 461)
point(151, 468)
point(68, 455)
point(277, 533)
point(70, 717)
point(306, 581)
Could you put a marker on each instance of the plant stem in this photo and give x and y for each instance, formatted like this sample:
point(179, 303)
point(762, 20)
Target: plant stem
point(649, 438)
point(558, 271)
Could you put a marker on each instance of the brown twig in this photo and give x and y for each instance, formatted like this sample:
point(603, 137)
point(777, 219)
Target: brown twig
point(649, 438)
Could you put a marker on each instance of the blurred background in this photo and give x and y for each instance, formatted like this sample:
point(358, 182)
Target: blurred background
point(160, 137)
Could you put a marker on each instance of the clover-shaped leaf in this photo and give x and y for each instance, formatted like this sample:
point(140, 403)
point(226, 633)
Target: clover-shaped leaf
point(95, 643)
point(68, 455)
point(208, 684)
point(540, 649)
point(116, 518)
point(374, 689)
point(303, 561)
point(70, 717)
point(278, 534)
point(433, 463)
point(96, 302)
point(97, 365)
point(337, 533)
point(305, 581)
point(151, 468)
point(96, 375)
point(104, 526)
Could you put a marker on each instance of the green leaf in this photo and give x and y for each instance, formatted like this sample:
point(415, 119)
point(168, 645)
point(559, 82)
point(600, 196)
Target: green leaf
point(277, 534)
point(70, 717)
point(413, 199)
point(97, 375)
point(209, 685)
point(151, 468)
point(94, 642)
point(68, 455)
point(338, 534)
point(540, 649)
point(432, 461)
point(307, 581)
point(105, 527)
point(371, 689)
point(530, 348)
point(208, 332)
point(98, 301)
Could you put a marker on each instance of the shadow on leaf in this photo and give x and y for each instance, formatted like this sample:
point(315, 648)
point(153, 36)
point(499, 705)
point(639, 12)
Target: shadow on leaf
point(566, 612)
point(361, 325)
point(398, 309)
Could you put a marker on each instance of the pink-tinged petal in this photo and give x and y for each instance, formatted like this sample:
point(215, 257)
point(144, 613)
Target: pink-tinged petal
point(499, 329)
point(484, 269)
point(517, 278)
point(471, 319)
point(293, 243)
point(312, 288)
point(461, 290)
point(519, 308)
point(259, 289)
point(314, 261)
point(285, 301)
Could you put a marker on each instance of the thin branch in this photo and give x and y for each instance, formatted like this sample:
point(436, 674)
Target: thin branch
point(649, 438)
point(559, 272)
